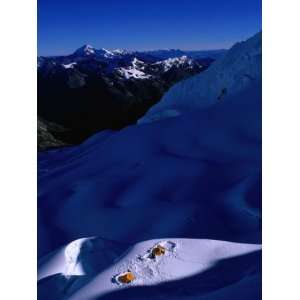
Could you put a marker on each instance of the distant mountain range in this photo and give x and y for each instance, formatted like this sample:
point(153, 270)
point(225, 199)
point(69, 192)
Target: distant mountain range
point(95, 89)
point(197, 54)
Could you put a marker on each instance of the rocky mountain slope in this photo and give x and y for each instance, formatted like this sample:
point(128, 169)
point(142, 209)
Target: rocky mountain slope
point(50, 135)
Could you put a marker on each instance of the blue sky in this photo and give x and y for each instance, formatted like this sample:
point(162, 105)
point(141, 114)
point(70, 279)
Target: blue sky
point(65, 25)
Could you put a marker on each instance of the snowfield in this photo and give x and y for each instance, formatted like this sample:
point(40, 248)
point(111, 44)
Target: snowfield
point(82, 265)
point(239, 69)
point(191, 184)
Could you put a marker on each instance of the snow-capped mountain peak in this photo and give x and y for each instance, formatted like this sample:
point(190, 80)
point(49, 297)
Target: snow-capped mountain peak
point(86, 50)
point(136, 62)
point(120, 51)
point(108, 53)
point(114, 52)
point(135, 70)
point(176, 61)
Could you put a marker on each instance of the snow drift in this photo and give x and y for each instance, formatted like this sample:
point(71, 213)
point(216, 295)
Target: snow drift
point(87, 268)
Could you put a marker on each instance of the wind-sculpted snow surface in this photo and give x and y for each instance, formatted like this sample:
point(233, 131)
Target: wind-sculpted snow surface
point(190, 260)
point(239, 69)
point(196, 176)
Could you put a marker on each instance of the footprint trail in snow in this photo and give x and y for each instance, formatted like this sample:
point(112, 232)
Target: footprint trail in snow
point(147, 268)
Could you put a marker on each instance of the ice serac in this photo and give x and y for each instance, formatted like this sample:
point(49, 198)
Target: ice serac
point(238, 70)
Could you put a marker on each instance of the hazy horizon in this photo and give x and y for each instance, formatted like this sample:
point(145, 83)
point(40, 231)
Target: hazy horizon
point(135, 50)
point(191, 25)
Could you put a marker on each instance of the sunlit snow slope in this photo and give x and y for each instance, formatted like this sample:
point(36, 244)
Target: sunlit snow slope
point(239, 69)
point(87, 268)
point(192, 183)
